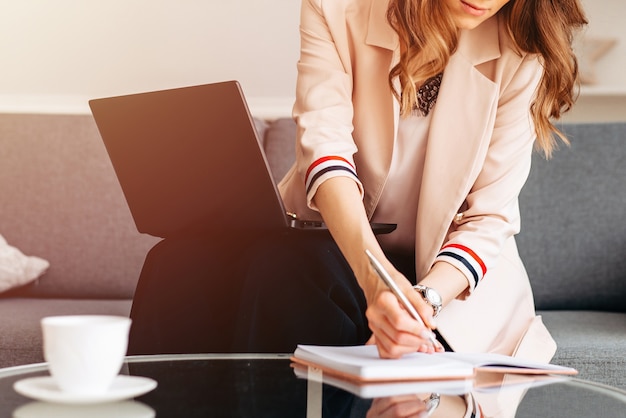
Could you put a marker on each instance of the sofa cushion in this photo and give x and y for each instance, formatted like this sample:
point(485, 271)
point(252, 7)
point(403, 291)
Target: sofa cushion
point(20, 330)
point(573, 235)
point(591, 342)
point(67, 207)
point(279, 146)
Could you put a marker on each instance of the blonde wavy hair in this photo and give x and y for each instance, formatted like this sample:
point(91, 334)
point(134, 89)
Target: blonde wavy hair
point(428, 36)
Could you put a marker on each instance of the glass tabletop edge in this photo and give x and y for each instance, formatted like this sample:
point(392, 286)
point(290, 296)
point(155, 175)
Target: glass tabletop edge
point(37, 367)
point(206, 356)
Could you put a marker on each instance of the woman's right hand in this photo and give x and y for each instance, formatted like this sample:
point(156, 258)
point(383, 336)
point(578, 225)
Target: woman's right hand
point(395, 331)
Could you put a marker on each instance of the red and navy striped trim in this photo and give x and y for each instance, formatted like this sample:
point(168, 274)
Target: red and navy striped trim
point(466, 259)
point(324, 165)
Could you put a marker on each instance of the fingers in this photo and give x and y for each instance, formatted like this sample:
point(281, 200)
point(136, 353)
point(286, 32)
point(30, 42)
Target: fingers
point(396, 332)
point(439, 348)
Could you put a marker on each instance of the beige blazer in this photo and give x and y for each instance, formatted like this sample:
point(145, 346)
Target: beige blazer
point(477, 158)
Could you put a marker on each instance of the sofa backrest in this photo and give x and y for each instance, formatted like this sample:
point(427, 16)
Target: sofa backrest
point(573, 234)
point(279, 144)
point(60, 200)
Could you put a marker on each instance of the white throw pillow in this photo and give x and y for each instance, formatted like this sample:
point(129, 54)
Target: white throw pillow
point(17, 269)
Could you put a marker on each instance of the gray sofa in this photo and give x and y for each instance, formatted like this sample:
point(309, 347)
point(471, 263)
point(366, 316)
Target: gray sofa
point(60, 200)
point(573, 243)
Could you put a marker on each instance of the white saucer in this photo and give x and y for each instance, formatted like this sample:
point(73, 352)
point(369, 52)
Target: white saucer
point(45, 389)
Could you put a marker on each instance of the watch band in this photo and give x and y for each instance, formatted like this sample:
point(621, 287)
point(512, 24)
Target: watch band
point(431, 296)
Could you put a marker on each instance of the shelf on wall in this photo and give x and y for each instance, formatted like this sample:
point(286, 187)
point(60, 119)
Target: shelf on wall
point(602, 90)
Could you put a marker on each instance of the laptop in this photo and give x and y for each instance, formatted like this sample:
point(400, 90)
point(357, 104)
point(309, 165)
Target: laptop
point(189, 161)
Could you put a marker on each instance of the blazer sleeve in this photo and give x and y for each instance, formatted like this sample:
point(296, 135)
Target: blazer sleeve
point(491, 212)
point(323, 109)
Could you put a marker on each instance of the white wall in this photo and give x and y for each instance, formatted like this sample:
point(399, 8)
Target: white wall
point(57, 54)
point(605, 101)
point(606, 20)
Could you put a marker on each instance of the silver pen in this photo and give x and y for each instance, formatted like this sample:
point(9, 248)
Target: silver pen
point(393, 286)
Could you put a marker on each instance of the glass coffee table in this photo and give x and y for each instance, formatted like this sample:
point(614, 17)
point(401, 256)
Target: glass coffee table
point(257, 385)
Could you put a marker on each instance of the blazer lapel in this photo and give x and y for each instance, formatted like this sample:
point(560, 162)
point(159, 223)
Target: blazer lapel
point(377, 111)
point(459, 137)
point(379, 32)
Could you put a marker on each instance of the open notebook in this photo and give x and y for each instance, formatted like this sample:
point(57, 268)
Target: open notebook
point(363, 364)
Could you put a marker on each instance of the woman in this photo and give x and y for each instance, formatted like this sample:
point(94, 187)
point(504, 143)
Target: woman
point(423, 113)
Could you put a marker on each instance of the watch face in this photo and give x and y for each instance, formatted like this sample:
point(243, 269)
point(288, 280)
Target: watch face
point(433, 296)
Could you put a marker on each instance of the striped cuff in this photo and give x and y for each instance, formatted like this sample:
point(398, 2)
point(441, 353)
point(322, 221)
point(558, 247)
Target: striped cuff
point(325, 165)
point(465, 260)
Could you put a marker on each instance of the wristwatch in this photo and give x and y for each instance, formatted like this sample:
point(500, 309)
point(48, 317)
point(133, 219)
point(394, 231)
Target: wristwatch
point(432, 403)
point(431, 296)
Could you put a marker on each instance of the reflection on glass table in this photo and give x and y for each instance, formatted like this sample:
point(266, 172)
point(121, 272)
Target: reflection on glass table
point(125, 409)
point(254, 385)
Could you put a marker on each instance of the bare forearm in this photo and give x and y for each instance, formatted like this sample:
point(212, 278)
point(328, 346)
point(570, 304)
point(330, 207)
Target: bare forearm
point(339, 202)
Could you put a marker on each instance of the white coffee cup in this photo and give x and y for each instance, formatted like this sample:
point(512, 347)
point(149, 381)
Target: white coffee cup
point(85, 352)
